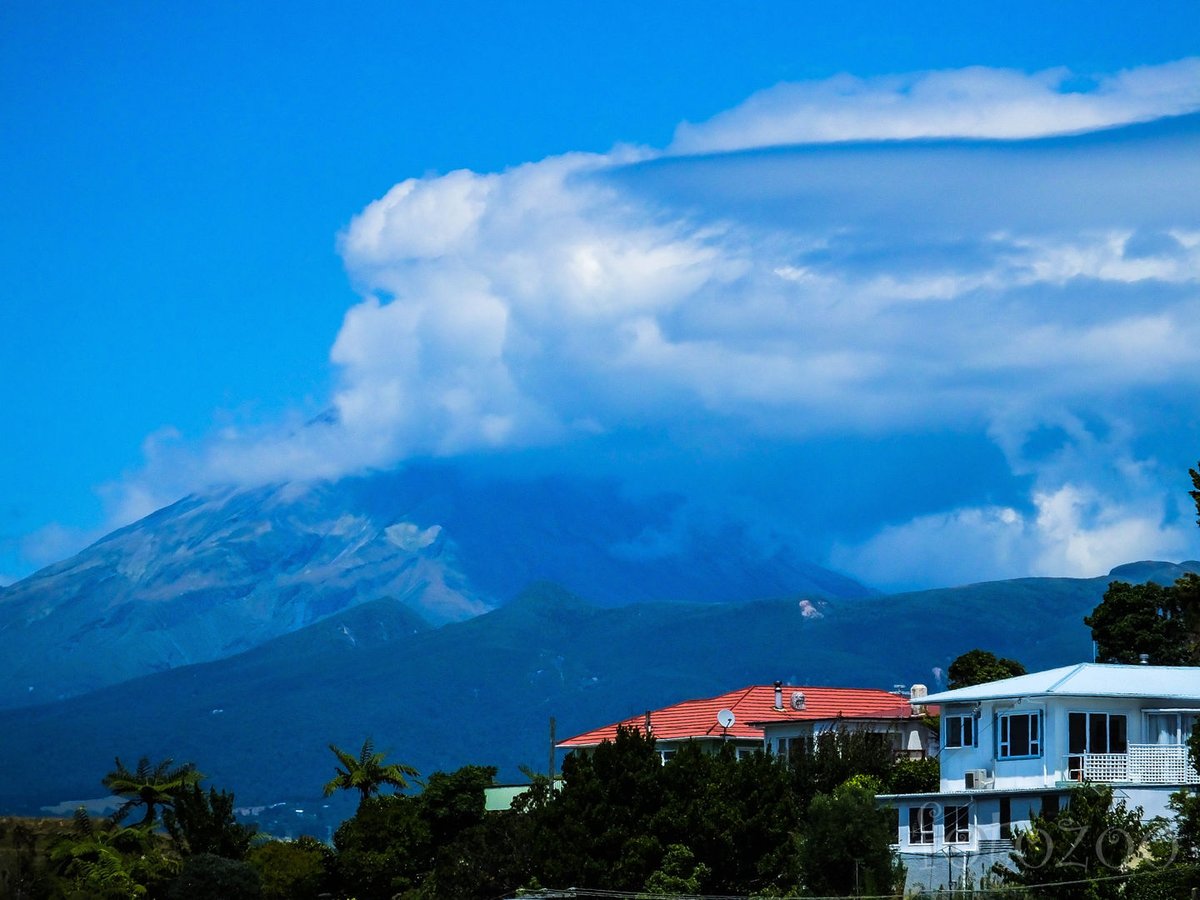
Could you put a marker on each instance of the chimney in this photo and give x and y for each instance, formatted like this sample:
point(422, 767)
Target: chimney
point(649, 729)
point(915, 693)
point(779, 695)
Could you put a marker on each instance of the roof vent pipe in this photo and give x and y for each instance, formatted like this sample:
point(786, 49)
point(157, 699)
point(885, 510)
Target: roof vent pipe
point(779, 695)
point(1144, 659)
point(649, 730)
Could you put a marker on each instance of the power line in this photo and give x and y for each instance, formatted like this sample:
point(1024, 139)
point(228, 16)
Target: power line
point(999, 890)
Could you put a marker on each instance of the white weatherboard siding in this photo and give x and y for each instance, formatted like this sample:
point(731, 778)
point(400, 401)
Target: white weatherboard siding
point(1011, 748)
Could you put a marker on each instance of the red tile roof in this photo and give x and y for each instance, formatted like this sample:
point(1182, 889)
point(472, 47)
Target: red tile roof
point(752, 706)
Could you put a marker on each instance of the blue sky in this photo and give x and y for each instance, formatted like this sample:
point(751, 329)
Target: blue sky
point(828, 269)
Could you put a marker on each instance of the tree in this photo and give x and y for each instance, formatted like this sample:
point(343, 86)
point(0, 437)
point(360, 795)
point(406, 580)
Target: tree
point(108, 860)
point(846, 845)
point(1161, 622)
point(367, 773)
point(1195, 494)
point(292, 870)
point(1186, 804)
point(383, 850)
point(596, 831)
point(149, 786)
point(205, 823)
point(208, 877)
point(981, 666)
point(679, 873)
point(1091, 839)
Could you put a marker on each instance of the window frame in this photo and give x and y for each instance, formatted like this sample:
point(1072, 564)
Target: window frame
point(793, 747)
point(966, 722)
point(1183, 721)
point(921, 826)
point(1089, 732)
point(1034, 737)
point(961, 826)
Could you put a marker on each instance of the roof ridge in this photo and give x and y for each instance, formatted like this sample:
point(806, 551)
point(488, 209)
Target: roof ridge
point(745, 693)
point(1075, 669)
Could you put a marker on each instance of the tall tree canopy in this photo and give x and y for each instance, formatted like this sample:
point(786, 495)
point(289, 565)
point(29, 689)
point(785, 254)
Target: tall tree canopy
point(1195, 494)
point(1095, 836)
point(150, 786)
point(1162, 622)
point(981, 666)
point(367, 772)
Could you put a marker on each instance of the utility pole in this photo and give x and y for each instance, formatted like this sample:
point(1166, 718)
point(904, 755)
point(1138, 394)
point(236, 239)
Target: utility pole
point(550, 768)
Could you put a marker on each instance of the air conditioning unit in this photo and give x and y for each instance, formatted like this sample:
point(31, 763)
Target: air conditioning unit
point(977, 778)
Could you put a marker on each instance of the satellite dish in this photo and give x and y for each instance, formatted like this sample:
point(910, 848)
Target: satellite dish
point(797, 700)
point(726, 718)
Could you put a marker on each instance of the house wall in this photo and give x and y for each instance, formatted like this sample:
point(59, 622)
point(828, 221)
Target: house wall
point(1049, 767)
point(909, 737)
point(1023, 785)
point(742, 746)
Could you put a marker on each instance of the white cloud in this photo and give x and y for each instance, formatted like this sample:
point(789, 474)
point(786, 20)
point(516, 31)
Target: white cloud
point(858, 291)
point(1072, 532)
point(975, 102)
point(55, 541)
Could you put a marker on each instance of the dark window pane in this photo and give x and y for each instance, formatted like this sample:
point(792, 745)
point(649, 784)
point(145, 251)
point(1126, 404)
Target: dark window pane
point(1077, 733)
point(954, 732)
point(955, 830)
point(1018, 735)
point(1098, 733)
point(1116, 735)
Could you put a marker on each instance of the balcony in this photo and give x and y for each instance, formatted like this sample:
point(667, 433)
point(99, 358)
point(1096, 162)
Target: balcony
point(1142, 764)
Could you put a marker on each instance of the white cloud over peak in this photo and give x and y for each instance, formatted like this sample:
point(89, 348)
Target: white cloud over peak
point(974, 102)
point(864, 292)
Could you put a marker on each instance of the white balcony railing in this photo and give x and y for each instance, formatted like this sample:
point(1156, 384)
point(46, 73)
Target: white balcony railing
point(1143, 764)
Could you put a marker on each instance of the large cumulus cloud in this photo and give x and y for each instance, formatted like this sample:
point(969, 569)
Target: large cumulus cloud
point(923, 257)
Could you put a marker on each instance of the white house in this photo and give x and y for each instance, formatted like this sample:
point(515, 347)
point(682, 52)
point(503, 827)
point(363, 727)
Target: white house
point(1017, 746)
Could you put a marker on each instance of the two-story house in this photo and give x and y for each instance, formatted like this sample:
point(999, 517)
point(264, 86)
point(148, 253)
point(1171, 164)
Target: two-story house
point(1017, 746)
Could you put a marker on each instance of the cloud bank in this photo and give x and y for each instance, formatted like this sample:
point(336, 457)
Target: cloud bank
point(964, 264)
point(976, 102)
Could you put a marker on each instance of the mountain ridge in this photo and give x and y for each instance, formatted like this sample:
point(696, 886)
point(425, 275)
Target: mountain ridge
point(216, 574)
point(482, 690)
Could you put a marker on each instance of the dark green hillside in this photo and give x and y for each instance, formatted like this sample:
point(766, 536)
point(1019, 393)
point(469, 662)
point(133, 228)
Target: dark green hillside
point(482, 691)
point(218, 574)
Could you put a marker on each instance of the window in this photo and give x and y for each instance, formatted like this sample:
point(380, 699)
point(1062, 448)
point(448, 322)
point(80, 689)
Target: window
point(960, 731)
point(957, 825)
point(1049, 805)
point(792, 748)
point(920, 825)
point(1020, 735)
point(1169, 728)
point(1096, 733)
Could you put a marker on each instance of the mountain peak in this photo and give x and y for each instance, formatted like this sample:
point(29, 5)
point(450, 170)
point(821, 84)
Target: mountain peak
point(1154, 570)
